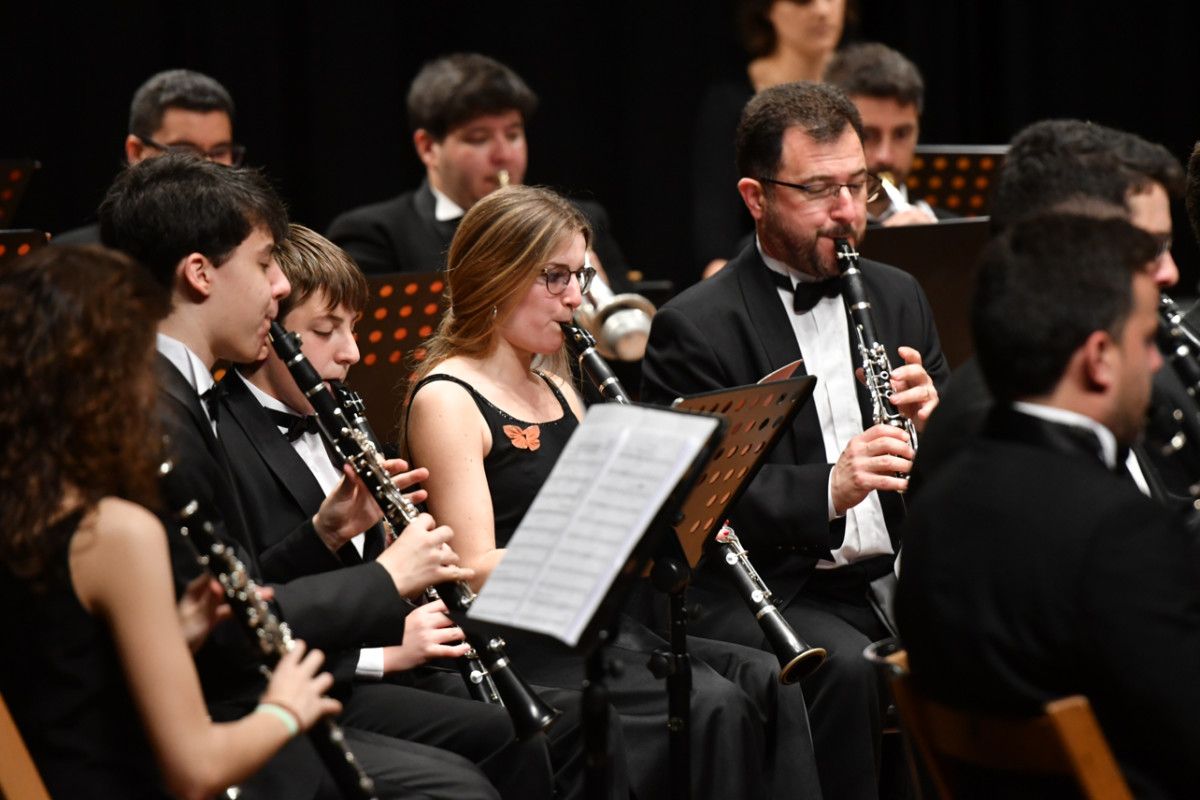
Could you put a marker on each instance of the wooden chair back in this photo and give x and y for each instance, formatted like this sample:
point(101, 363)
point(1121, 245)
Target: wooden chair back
point(19, 778)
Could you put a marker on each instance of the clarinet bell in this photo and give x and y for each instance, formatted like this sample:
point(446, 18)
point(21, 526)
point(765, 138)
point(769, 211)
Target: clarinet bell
point(530, 714)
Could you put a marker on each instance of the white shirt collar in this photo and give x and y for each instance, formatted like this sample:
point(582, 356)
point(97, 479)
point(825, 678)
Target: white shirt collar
point(198, 376)
point(266, 400)
point(1108, 442)
point(444, 209)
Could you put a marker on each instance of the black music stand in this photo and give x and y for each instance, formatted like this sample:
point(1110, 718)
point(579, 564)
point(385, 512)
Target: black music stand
point(20, 242)
point(596, 632)
point(15, 174)
point(956, 177)
point(757, 416)
point(403, 310)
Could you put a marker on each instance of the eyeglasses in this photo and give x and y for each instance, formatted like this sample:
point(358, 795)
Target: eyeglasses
point(1164, 245)
point(557, 279)
point(867, 189)
point(231, 154)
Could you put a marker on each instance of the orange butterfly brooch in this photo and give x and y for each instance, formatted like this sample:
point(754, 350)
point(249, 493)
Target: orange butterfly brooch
point(524, 438)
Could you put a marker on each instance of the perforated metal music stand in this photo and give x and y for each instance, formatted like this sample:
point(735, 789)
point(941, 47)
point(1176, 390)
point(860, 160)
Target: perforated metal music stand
point(403, 311)
point(758, 415)
point(956, 177)
point(15, 174)
point(20, 242)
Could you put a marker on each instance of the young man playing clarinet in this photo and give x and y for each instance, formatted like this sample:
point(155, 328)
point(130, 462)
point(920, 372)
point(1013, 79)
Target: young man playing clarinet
point(283, 468)
point(208, 232)
point(822, 517)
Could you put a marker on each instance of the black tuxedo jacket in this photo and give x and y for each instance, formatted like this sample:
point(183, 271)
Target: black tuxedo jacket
point(338, 611)
point(280, 496)
point(1031, 572)
point(731, 330)
point(967, 401)
point(402, 235)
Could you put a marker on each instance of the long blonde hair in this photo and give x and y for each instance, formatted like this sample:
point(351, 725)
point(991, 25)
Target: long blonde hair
point(499, 249)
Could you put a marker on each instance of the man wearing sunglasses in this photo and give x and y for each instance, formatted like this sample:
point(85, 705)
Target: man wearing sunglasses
point(822, 517)
point(468, 114)
point(176, 111)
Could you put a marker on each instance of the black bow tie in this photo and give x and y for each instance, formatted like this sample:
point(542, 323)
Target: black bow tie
point(807, 294)
point(212, 400)
point(294, 425)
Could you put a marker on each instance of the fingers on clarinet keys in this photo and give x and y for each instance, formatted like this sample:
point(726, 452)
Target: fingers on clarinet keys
point(298, 687)
point(421, 556)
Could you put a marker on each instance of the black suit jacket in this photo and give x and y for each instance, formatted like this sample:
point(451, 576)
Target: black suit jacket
point(338, 611)
point(280, 494)
point(1032, 572)
point(402, 235)
point(731, 330)
point(967, 401)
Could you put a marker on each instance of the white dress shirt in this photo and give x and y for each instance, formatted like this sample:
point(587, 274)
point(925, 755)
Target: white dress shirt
point(824, 336)
point(1108, 442)
point(198, 376)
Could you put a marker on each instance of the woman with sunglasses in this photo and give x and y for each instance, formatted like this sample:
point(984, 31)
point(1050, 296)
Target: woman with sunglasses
point(490, 409)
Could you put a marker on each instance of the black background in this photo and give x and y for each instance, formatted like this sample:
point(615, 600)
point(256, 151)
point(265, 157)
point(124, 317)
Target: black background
point(320, 89)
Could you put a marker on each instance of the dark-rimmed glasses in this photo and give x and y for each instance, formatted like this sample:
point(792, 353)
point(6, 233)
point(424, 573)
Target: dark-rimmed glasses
point(231, 154)
point(867, 189)
point(557, 279)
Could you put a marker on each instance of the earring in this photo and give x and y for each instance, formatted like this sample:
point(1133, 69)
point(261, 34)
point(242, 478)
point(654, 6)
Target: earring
point(494, 312)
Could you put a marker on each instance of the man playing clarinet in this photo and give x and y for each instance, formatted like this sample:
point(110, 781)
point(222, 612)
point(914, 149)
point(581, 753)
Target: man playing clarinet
point(821, 519)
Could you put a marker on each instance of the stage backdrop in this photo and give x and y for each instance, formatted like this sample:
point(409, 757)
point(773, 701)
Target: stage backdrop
point(320, 89)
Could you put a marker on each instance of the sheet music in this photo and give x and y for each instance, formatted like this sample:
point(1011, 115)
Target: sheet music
point(609, 483)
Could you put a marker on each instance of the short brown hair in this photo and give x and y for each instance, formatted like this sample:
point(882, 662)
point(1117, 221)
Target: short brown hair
point(311, 262)
point(823, 112)
point(875, 70)
point(455, 89)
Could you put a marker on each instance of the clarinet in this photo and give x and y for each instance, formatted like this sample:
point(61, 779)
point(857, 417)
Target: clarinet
point(530, 714)
point(877, 369)
point(1173, 430)
point(797, 659)
point(267, 632)
point(475, 674)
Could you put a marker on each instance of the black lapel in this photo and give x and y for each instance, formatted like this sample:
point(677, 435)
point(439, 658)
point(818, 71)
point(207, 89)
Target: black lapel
point(171, 381)
point(773, 328)
point(425, 204)
point(271, 446)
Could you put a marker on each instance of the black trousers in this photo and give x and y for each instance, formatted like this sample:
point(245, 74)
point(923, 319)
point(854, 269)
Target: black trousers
point(564, 739)
point(732, 726)
point(845, 696)
point(424, 744)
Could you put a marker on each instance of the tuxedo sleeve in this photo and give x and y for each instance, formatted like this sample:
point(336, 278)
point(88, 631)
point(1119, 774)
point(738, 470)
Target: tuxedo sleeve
point(786, 504)
point(347, 608)
point(299, 553)
point(367, 239)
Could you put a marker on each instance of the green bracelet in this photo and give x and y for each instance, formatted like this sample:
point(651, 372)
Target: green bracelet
point(286, 717)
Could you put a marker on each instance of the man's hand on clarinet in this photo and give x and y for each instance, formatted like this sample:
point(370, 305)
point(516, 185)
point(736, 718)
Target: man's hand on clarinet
point(421, 556)
point(914, 394)
point(870, 461)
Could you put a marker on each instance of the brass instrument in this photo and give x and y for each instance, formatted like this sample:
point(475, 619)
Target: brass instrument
point(530, 714)
point(271, 635)
point(474, 672)
point(797, 658)
point(876, 367)
point(620, 323)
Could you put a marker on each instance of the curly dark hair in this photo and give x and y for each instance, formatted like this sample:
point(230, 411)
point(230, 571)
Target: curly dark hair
point(77, 329)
